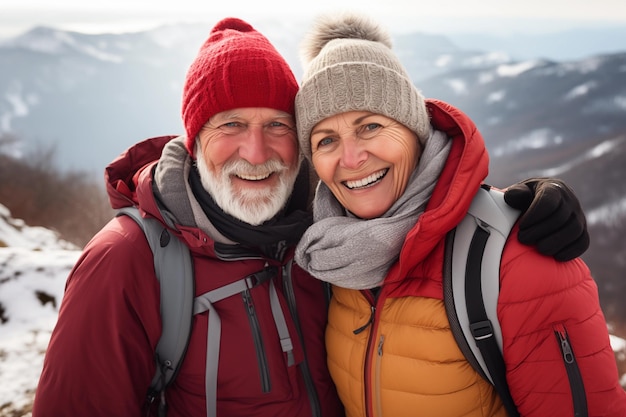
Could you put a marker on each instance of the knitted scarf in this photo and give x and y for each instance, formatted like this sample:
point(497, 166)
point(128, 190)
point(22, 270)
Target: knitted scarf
point(355, 253)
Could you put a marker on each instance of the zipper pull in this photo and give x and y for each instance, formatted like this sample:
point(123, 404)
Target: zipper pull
point(566, 348)
point(247, 300)
point(380, 345)
point(360, 329)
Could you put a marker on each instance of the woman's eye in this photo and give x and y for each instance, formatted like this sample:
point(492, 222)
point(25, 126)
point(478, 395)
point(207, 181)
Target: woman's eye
point(369, 130)
point(324, 142)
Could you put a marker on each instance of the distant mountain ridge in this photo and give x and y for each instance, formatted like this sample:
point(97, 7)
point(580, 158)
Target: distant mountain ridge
point(92, 96)
point(562, 45)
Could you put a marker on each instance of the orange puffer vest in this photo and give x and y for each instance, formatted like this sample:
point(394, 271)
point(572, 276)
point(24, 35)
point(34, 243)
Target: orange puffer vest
point(424, 371)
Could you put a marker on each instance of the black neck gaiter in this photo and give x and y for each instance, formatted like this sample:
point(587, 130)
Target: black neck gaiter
point(271, 238)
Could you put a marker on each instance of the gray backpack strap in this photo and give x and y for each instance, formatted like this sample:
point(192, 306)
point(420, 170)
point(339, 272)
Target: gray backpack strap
point(205, 302)
point(171, 260)
point(472, 284)
point(281, 325)
point(174, 270)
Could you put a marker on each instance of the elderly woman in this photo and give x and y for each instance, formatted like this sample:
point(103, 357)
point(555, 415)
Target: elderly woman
point(398, 172)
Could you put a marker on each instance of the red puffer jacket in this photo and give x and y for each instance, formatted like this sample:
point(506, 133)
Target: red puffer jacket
point(100, 360)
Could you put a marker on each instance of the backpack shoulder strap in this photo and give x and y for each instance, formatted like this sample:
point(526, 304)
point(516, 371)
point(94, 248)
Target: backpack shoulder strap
point(472, 285)
point(174, 270)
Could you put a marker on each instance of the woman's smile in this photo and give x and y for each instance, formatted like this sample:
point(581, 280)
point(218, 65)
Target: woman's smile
point(366, 182)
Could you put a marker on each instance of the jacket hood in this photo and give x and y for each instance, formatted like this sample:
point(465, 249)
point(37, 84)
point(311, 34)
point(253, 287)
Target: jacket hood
point(464, 172)
point(122, 174)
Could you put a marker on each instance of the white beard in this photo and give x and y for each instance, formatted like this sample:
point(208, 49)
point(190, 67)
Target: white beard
point(253, 206)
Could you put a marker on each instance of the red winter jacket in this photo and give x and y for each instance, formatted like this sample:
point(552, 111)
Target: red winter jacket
point(100, 360)
point(392, 353)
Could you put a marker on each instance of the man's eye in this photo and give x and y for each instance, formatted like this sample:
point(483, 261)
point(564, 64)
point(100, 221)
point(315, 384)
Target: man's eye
point(279, 128)
point(232, 128)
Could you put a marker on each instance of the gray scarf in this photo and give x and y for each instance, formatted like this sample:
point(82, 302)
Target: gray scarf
point(354, 253)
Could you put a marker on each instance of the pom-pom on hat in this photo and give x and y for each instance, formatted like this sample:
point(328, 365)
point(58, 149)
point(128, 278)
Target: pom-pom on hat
point(349, 66)
point(236, 67)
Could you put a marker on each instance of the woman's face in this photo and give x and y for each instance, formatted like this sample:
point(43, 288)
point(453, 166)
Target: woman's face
point(365, 159)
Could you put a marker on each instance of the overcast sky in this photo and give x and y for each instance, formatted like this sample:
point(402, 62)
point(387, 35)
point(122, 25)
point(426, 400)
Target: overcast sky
point(17, 16)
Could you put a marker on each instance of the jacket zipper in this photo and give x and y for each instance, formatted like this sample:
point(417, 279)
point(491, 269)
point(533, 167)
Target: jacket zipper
point(371, 345)
point(304, 366)
point(377, 384)
point(258, 341)
point(579, 398)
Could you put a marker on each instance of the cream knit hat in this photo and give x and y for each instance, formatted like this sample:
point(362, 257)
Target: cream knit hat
point(349, 66)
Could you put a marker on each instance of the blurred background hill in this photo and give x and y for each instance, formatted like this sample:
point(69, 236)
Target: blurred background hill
point(71, 102)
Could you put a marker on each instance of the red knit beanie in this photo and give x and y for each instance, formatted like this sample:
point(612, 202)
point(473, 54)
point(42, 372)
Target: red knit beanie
point(236, 67)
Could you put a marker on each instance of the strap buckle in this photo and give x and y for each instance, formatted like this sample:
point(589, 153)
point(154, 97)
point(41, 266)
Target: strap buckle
point(481, 330)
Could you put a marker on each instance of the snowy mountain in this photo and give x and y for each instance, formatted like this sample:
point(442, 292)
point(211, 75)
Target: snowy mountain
point(92, 96)
point(34, 264)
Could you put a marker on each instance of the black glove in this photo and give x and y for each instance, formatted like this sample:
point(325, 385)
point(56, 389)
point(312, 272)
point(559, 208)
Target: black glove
point(552, 218)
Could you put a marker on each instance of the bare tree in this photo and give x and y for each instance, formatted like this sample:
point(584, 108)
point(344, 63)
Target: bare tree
point(35, 190)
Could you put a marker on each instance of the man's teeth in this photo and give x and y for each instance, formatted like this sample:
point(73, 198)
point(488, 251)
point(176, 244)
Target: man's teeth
point(254, 177)
point(366, 182)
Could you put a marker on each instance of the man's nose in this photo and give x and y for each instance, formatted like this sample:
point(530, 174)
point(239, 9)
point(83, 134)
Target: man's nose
point(254, 148)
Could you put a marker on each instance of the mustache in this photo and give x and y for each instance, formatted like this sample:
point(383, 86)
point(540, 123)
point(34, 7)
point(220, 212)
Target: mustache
point(243, 167)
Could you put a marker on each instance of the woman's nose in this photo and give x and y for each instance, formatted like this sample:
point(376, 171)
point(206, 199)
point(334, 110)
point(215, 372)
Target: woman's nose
point(353, 153)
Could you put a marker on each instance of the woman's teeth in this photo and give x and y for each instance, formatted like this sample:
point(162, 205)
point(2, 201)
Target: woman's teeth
point(366, 182)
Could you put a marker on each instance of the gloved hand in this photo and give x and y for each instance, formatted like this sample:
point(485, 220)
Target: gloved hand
point(552, 218)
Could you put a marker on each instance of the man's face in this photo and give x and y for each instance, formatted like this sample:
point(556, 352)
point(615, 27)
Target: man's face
point(248, 161)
